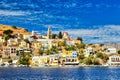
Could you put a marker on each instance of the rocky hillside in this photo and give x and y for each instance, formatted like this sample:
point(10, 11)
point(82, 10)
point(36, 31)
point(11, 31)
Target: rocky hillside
point(15, 29)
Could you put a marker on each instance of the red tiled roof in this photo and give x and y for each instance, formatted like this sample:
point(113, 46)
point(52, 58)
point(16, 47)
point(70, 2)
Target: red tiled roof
point(0, 34)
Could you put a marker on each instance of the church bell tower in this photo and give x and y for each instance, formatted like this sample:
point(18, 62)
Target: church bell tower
point(49, 33)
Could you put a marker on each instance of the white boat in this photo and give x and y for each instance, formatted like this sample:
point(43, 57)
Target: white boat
point(71, 63)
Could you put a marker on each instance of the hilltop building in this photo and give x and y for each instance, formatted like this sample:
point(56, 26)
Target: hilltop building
point(65, 35)
point(49, 33)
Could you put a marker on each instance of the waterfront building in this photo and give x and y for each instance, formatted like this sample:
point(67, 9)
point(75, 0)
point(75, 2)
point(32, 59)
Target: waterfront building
point(50, 60)
point(14, 62)
point(53, 60)
point(69, 58)
point(39, 60)
point(69, 54)
point(35, 61)
point(114, 60)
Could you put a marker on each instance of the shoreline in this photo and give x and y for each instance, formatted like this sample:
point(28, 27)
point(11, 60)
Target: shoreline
point(65, 66)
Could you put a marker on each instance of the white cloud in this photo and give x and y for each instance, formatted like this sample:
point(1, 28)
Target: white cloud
point(12, 13)
point(102, 34)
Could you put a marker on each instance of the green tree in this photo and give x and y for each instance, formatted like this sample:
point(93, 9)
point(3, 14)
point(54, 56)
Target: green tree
point(62, 43)
point(79, 38)
point(99, 55)
point(7, 37)
point(14, 27)
point(91, 60)
point(101, 45)
point(24, 59)
point(69, 48)
point(82, 45)
point(0, 55)
point(54, 36)
point(26, 30)
point(105, 57)
point(53, 50)
point(48, 52)
point(81, 57)
point(26, 40)
point(60, 35)
point(7, 32)
point(10, 61)
point(118, 51)
point(88, 61)
point(102, 56)
point(95, 61)
point(41, 52)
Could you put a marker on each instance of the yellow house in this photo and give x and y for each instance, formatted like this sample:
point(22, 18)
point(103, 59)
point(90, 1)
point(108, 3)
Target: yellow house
point(67, 53)
point(23, 44)
point(69, 58)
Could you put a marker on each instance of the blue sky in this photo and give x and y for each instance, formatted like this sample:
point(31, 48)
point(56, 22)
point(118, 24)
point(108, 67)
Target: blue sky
point(96, 21)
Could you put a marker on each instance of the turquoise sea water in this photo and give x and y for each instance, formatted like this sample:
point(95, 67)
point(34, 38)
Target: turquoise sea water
point(87, 73)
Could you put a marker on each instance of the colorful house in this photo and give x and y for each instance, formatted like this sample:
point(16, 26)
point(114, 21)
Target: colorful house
point(69, 54)
point(69, 58)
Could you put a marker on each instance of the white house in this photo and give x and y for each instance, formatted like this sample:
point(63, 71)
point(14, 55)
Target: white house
point(35, 33)
point(46, 43)
point(27, 37)
point(9, 51)
point(114, 60)
point(39, 60)
point(111, 50)
point(12, 42)
point(88, 51)
point(1, 40)
point(53, 60)
point(36, 60)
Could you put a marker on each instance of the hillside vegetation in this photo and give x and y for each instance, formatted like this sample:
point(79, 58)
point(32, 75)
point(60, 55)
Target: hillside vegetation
point(15, 29)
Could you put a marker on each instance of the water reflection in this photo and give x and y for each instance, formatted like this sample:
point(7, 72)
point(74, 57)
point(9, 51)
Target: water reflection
point(94, 73)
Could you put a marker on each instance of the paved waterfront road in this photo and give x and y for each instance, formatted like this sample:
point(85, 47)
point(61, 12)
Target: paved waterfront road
point(94, 73)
